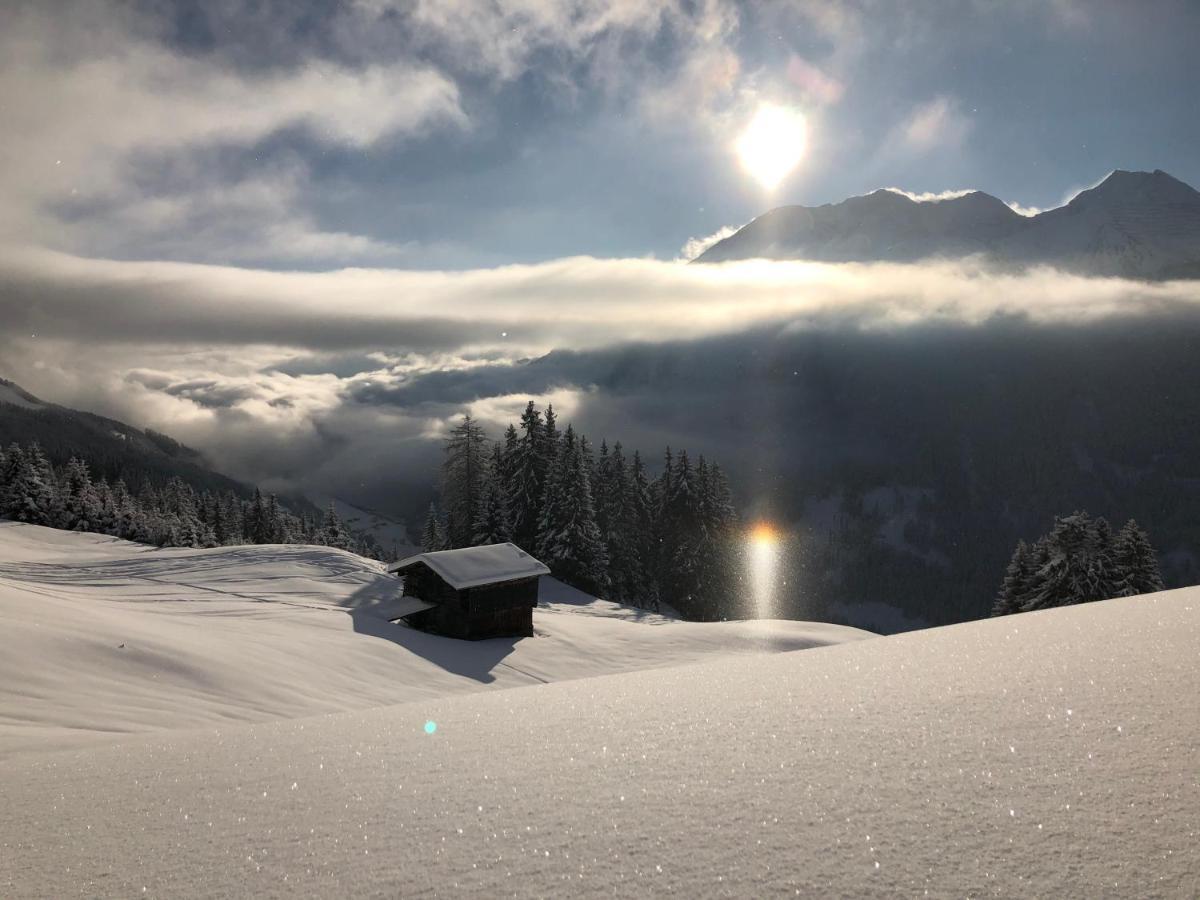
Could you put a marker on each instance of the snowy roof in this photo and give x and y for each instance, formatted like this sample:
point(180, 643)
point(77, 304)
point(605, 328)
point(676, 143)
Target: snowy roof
point(473, 566)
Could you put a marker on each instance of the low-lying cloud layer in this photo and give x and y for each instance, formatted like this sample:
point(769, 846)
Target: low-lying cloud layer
point(342, 382)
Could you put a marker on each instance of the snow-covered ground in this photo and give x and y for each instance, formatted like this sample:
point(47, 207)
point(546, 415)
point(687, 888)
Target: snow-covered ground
point(1052, 754)
point(101, 638)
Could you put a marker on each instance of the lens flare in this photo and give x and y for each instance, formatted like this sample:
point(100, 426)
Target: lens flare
point(763, 556)
point(772, 144)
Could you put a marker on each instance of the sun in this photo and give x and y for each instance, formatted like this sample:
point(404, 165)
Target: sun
point(772, 144)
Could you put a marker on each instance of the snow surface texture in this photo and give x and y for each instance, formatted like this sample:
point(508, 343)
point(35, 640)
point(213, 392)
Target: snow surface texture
point(101, 638)
point(1050, 754)
point(470, 567)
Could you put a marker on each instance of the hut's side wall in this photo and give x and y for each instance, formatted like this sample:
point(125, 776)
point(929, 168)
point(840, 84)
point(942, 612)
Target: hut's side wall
point(501, 610)
point(494, 610)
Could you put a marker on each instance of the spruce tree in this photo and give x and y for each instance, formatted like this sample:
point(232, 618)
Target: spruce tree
point(569, 542)
point(30, 491)
point(80, 507)
point(433, 535)
point(1136, 563)
point(644, 532)
point(526, 469)
point(492, 521)
point(1074, 563)
point(334, 532)
point(463, 474)
point(683, 541)
point(1019, 582)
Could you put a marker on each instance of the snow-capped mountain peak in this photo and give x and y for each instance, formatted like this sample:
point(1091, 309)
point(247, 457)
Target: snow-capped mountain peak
point(1132, 224)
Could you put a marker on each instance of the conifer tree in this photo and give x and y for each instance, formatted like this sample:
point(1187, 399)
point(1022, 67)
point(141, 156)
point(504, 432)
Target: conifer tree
point(716, 585)
point(1136, 563)
point(1076, 564)
point(1018, 583)
point(492, 521)
point(433, 536)
point(463, 474)
point(334, 532)
point(644, 529)
point(683, 540)
point(30, 490)
point(569, 541)
point(527, 468)
point(79, 505)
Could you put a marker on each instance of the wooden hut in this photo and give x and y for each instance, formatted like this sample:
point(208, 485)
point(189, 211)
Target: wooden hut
point(472, 593)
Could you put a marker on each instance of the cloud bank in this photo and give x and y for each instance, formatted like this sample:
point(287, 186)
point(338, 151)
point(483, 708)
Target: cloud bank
point(342, 382)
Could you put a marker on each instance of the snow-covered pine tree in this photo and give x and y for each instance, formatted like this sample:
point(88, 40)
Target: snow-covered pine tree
point(79, 505)
point(12, 462)
point(644, 532)
point(1019, 582)
point(463, 474)
point(569, 541)
point(492, 522)
point(526, 470)
point(334, 532)
point(29, 494)
point(433, 535)
point(550, 439)
point(1136, 563)
point(683, 541)
point(719, 557)
point(617, 523)
point(1075, 564)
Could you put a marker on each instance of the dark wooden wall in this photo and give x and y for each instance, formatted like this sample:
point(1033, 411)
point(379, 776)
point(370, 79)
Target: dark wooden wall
point(493, 610)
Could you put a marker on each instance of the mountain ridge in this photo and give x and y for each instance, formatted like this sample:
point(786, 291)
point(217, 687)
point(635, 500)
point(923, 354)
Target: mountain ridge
point(1132, 224)
point(114, 449)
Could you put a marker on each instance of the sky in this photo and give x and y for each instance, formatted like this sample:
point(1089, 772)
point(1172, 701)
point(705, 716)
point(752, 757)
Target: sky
point(462, 134)
point(256, 226)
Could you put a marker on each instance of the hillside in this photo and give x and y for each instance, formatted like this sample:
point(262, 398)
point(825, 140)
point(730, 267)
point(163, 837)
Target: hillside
point(1048, 754)
point(114, 449)
point(1132, 224)
point(104, 638)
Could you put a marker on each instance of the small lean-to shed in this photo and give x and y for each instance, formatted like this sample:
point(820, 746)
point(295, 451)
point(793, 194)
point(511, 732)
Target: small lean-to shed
point(473, 593)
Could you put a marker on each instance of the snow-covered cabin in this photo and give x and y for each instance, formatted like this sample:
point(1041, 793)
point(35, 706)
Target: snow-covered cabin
point(474, 592)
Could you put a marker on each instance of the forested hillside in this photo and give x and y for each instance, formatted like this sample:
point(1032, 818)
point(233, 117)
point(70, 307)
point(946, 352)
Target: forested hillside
point(112, 449)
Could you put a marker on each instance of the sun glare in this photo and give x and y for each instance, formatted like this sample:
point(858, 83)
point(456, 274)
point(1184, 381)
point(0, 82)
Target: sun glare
point(764, 533)
point(772, 144)
point(763, 555)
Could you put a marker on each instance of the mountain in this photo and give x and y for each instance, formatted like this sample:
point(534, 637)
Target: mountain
point(883, 225)
point(1132, 224)
point(112, 449)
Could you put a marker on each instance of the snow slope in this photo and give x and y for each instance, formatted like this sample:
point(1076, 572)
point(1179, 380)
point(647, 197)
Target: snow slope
point(100, 638)
point(1052, 754)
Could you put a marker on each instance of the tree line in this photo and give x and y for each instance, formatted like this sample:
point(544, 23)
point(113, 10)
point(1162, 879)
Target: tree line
point(1078, 561)
point(35, 491)
point(593, 515)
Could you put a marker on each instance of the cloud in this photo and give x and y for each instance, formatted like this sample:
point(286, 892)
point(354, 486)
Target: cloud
point(930, 197)
point(342, 382)
point(94, 99)
point(697, 245)
point(817, 84)
point(934, 125)
point(1024, 210)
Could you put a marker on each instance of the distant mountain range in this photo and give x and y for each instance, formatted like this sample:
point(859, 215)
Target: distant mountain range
point(1133, 224)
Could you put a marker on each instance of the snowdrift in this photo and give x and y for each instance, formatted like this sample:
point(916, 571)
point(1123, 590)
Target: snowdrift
point(103, 638)
point(1048, 754)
